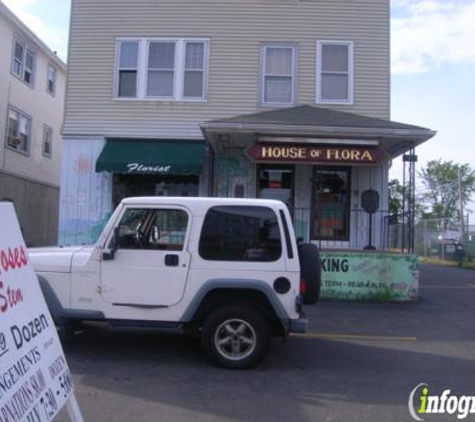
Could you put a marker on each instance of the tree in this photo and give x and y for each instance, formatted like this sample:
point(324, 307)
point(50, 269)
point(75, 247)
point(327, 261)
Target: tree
point(396, 195)
point(400, 197)
point(441, 184)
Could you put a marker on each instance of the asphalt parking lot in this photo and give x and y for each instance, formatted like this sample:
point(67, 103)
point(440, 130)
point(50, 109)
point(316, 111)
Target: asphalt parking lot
point(359, 362)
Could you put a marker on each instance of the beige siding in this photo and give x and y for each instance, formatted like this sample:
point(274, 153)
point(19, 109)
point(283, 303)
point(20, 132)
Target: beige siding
point(236, 30)
point(43, 108)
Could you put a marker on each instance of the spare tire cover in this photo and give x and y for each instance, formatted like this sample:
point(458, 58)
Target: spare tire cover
point(310, 272)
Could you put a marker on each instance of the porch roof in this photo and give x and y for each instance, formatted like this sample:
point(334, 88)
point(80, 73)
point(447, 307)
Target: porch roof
point(319, 123)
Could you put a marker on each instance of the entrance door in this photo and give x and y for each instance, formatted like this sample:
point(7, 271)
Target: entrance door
point(331, 203)
point(276, 182)
point(151, 263)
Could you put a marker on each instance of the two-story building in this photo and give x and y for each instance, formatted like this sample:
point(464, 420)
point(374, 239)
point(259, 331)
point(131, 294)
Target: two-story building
point(32, 90)
point(285, 99)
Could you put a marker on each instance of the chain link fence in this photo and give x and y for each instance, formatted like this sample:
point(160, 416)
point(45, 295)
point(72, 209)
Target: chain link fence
point(434, 238)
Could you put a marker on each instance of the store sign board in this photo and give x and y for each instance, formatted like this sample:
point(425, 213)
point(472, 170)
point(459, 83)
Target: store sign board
point(379, 276)
point(35, 381)
point(314, 153)
point(138, 168)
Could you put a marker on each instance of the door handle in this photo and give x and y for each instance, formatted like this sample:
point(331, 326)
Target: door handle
point(172, 260)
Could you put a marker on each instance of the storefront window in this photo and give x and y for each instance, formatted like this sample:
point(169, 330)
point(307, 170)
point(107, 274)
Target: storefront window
point(276, 182)
point(331, 203)
point(153, 185)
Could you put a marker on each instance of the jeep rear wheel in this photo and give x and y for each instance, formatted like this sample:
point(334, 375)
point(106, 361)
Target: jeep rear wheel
point(235, 336)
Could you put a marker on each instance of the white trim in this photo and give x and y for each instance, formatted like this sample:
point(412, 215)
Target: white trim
point(117, 70)
point(178, 75)
point(329, 141)
point(293, 76)
point(205, 69)
point(350, 73)
point(20, 114)
point(48, 67)
point(47, 128)
point(27, 48)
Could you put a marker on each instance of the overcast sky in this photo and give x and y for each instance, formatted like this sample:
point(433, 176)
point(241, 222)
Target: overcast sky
point(432, 66)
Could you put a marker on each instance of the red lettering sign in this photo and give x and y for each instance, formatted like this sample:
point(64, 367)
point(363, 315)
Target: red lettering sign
point(12, 259)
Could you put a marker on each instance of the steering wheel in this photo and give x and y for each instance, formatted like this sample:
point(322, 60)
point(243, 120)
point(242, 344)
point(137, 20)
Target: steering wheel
point(140, 240)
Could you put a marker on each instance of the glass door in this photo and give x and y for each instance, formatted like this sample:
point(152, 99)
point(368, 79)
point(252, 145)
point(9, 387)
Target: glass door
point(331, 203)
point(276, 182)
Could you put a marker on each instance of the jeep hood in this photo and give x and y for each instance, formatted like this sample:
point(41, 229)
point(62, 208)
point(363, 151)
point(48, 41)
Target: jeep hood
point(57, 259)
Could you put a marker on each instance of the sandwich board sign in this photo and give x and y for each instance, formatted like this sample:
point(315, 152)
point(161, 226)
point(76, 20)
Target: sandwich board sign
point(35, 382)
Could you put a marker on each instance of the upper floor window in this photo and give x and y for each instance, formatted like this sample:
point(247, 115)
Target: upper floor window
point(278, 74)
point(128, 66)
point(19, 130)
point(168, 69)
point(335, 72)
point(47, 141)
point(51, 81)
point(23, 64)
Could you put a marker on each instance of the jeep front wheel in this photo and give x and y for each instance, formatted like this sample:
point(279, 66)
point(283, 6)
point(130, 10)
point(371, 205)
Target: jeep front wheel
point(235, 337)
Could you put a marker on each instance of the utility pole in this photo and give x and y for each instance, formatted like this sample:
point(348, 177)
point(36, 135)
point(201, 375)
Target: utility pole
point(462, 231)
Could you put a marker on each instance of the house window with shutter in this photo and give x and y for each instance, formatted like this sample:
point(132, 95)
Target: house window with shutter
point(335, 72)
point(19, 130)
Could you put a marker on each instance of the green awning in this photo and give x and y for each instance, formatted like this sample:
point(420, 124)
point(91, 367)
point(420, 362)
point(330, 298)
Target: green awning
point(137, 156)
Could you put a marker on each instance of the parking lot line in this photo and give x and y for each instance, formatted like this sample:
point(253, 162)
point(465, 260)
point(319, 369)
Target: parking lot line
point(354, 337)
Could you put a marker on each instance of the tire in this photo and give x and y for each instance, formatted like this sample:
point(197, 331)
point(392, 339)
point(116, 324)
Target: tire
point(310, 273)
point(235, 336)
point(67, 328)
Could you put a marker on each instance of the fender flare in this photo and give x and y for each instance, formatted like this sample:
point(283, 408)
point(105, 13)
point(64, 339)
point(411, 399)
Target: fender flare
point(257, 285)
point(54, 305)
point(58, 312)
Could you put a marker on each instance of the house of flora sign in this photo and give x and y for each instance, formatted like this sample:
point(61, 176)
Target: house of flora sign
point(314, 153)
point(35, 381)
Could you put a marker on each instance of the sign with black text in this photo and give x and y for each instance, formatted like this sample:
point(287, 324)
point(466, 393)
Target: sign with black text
point(35, 382)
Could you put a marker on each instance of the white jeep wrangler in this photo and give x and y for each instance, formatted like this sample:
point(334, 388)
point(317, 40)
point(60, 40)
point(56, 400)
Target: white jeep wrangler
point(227, 270)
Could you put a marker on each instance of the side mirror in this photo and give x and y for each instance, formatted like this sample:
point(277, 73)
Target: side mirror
point(109, 255)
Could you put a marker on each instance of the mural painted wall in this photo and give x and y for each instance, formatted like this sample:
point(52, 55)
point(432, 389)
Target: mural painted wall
point(234, 174)
point(369, 276)
point(86, 196)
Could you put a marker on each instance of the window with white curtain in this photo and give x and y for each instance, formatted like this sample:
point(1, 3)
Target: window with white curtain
point(24, 62)
point(163, 69)
point(194, 71)
point(278, 75)
point(19, 130)
point(51, 80)
point(335, 72)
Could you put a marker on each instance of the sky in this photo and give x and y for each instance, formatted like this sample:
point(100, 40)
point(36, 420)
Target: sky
point(432, 68)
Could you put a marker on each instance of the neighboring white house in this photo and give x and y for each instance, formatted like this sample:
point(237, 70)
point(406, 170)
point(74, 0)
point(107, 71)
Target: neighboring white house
point(283, 99)
point(32, 90)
